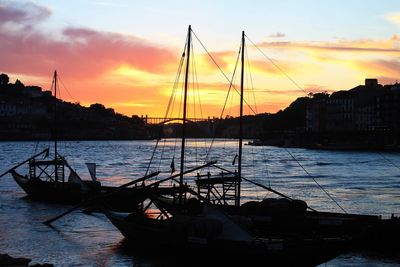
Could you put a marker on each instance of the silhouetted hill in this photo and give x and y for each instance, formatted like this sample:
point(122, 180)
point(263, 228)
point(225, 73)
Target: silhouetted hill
point(27, 112)
point(365, 116)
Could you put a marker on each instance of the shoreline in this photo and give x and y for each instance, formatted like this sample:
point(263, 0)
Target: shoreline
point(7, 260)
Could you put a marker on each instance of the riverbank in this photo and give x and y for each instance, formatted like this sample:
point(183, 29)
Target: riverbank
point(365, 140)
point(9, 261)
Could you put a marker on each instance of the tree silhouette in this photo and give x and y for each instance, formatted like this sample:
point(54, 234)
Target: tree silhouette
point(19, 85)
point(4, 79)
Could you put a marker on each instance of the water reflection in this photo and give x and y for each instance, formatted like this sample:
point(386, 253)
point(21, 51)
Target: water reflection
point(362, 182)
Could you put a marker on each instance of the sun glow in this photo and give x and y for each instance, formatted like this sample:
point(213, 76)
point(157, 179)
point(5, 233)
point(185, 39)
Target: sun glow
point(133, 70)
point(129, 73)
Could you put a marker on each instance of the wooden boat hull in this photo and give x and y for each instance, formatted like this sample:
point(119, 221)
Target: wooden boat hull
point(113, 198)
point(127, 199)
point(364, 231)
point(63, 193)
point(147, 232)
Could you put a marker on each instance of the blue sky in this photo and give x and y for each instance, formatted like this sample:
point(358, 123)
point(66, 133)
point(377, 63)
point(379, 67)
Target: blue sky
point(222, 21)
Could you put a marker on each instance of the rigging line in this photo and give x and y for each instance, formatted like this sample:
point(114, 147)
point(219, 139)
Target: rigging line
point(179, 114)
point(179, 109)
point(70, 95)
point(320, 186)
point(230, 105)
point(251, 79)
point(171, 102)
point(34, 153)
point(152, 157)
point(38, 142)
point(176, 82)
point(178, 74)
point(245, 88)
point(181, 106)
point(253, 169)
point(246, 83)
point(229, 80)
point(194, 97)
point(266, 166)
point(223, 73)
point(176, 85)
point(198, 89)
point(226, 100)
point(198, 97)
point(161, 156)
point(66, 90)
point(36, 147)
point(388, 160)
point(276, 66)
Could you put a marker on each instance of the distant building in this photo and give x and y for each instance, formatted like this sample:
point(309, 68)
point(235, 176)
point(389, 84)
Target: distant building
point(316, 116)
point(30, 109)
point(7, 109)
point(33, 91)
point(340, 112)
point(365, 107)
point(47, 93)
point(389, 108)
point(371, 83)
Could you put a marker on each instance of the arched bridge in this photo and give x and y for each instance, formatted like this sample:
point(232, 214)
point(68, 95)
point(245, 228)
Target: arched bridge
point(160, 120)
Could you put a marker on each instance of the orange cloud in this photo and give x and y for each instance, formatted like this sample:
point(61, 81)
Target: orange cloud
point(391, 45)
point(316, 88)
point(224, 60)
point(266, 67)
point(78, 53)
point(96, 66)
point(389, 70)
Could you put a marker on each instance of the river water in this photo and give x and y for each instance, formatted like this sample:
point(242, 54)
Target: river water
point(361, 182)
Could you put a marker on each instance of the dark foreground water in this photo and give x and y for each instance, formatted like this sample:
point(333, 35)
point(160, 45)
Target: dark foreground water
point(362, 182)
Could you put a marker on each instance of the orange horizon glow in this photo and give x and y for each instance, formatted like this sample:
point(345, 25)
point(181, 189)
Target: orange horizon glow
point(136, 77)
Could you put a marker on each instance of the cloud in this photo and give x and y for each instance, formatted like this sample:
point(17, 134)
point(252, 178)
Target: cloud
point(388, 80)
point(392, 45)
point(105, 3)
point(267, 67)
point(134, 75)
point(308, 88)
point(393, 18)
point(316, 88)
point(277, 35)
point(388, 68)
point(395, 37)
point(112, 49)
point(79, 52)
point(225, 60)
point(18, 12)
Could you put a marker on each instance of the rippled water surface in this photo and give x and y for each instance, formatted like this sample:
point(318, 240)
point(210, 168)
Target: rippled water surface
point(361, 182)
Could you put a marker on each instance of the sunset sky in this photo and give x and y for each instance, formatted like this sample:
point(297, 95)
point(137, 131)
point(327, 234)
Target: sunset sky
point(125, 54)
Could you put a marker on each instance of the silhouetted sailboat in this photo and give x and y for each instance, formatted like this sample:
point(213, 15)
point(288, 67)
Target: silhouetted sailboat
point(274, 216)
point(195, 225)
point(47, 180)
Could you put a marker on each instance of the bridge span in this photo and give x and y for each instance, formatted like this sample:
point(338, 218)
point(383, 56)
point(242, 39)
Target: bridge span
point(160, 120)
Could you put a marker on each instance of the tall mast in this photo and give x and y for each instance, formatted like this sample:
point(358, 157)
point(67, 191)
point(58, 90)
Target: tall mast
point(240, 124)
point(55, 114)
point(184, 114)
point(55, 125)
